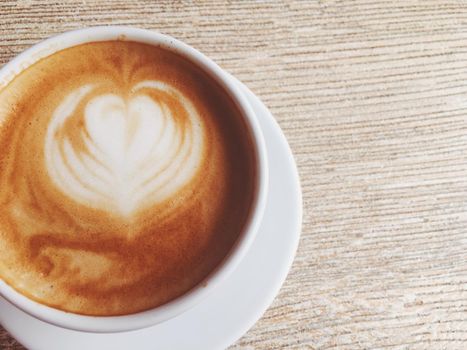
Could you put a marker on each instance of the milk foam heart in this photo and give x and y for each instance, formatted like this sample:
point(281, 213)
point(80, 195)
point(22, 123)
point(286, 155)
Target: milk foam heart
point(136, 151)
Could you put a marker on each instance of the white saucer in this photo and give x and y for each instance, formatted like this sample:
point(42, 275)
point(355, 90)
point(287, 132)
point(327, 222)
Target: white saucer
point(235, 306)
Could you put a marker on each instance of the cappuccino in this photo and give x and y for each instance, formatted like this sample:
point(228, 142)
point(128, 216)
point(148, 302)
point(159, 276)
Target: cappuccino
point(127, 174)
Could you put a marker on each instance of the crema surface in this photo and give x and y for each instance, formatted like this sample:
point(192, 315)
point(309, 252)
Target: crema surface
point(126, 176)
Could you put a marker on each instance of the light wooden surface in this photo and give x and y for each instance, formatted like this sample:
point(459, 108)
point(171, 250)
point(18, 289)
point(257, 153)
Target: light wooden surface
point(372, 96)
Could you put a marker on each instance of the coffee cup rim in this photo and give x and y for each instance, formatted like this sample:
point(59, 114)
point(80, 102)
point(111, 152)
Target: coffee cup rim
point(112, 324)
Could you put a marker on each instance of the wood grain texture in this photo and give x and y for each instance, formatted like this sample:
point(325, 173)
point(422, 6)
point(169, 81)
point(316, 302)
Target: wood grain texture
point(372, 96)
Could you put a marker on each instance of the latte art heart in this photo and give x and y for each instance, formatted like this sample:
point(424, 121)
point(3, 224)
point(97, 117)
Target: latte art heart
point(132, 152)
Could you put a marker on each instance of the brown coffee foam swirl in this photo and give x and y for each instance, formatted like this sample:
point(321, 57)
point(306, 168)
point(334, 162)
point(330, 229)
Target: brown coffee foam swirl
point(72, 234)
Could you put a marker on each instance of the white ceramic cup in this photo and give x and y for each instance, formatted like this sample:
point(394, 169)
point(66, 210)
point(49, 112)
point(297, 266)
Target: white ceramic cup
point(181, 304)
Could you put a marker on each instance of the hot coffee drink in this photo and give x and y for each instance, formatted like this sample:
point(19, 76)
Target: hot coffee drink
point(126, 176)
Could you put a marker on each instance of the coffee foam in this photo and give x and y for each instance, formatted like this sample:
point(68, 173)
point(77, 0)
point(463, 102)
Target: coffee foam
point(127, 153)
point(126, 176)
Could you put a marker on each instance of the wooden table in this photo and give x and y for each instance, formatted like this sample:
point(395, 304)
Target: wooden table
point(372, 96)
